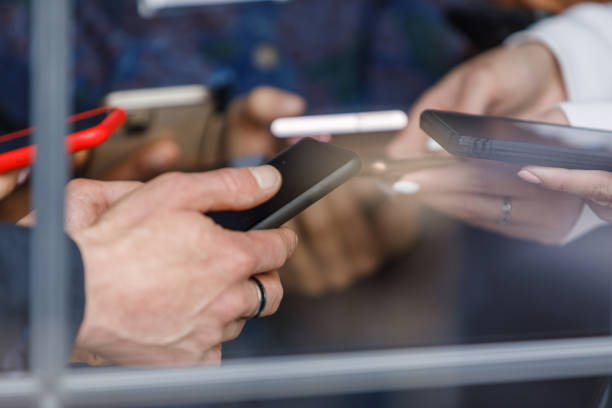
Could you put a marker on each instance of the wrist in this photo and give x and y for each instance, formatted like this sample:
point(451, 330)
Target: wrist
point(91, 335)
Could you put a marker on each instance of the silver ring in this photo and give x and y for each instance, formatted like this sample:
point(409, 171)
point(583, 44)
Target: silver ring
point(506, 212)
point(261, 296)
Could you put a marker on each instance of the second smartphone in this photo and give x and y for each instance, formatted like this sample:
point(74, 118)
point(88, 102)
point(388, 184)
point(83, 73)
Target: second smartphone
point(519, 141)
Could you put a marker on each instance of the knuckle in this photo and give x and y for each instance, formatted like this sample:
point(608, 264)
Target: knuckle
point(601, 192)
point(234, 308)
point(243, 262)
point(232, 180)
point(234, 331)
point(275, 292)
point(76, 185)
point(287, 241)
point(169, 178)
point(174, 181)
point(192, 228)
point(210, 339)
point(212, 356)
point(559, 183)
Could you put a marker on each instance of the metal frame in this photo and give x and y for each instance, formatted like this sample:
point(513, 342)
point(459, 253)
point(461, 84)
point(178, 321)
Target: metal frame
point(49, 385)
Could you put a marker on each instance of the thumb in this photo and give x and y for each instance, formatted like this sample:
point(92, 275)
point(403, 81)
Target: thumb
point(226, 189)
point(87, 200)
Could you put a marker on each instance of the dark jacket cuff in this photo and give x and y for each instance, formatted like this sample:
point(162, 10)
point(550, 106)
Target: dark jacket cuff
point(14, 294)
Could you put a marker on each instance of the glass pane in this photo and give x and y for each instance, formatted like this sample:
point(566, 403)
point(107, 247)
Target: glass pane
point(441, 249)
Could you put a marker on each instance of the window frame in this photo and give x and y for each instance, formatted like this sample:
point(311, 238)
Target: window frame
point(51, 384)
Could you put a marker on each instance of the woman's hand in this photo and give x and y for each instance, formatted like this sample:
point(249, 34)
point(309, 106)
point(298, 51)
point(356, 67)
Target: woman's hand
point(515, 81)
point(592, 185)
point(479, 193)
point(476, 192)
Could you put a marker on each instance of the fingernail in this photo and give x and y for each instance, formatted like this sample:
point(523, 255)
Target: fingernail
point(23, 176)
point(267, 176)
point(406, 187)
point(529, 177)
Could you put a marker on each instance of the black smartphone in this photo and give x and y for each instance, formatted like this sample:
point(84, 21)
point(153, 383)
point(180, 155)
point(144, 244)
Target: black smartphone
point(310, 170)
point(519, 141)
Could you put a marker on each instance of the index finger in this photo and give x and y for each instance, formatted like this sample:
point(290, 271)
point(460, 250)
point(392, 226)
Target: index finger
point(226, 189)
point(595, 185)
point(268, 249)
point(471, 177)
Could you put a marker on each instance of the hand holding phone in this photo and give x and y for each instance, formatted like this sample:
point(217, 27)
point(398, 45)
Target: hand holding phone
point(310, 171)
point(519, 141)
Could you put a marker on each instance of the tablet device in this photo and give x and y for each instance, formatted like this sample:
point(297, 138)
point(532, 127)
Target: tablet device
point(519, 141)
point(310, 170)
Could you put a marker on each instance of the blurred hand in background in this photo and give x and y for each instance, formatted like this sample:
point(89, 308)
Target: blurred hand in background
point(517, 81)
point(10, 180)
point(475, 191)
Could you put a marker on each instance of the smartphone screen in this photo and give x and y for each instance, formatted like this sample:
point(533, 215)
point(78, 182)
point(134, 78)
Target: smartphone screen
point(310, 170)
point(23, 138)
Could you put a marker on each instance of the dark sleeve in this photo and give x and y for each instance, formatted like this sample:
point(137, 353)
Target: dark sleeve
point(14, 295)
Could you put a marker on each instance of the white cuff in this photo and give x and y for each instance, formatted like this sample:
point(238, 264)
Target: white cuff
point(586, 223)
point(597, 115)
point(591, 115)
point(581, 40)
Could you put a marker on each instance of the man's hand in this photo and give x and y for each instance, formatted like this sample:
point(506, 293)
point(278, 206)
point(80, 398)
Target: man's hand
point(164, 283)
point(510, 81)
point(338, 245)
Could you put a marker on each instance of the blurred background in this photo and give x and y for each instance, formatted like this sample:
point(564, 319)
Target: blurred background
point(374, 270)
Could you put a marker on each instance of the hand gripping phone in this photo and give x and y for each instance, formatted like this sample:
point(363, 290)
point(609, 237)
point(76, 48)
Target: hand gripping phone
point(519, 141)
point(89, 129)
point(310, 170)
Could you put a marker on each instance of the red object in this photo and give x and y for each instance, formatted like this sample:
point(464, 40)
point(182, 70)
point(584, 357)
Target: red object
point(81, 140)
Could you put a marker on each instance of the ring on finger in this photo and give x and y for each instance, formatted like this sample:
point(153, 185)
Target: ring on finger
point(261, 296)
point(506, 212)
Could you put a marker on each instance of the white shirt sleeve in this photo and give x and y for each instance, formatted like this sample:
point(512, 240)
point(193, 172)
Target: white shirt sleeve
point(591, 115)
point(581, 40)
